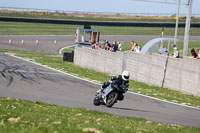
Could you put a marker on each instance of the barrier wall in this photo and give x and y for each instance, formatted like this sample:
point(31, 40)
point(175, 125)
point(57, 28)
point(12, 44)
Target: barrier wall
point(168, 72)
point(99, 60)
point(173, 74)
point(190, 81)
point(146, 68)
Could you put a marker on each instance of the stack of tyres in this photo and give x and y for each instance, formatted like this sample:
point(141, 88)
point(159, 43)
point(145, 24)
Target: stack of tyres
point(67, 56)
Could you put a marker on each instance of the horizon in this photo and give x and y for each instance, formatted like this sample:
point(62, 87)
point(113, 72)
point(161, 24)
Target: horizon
point(111, 6)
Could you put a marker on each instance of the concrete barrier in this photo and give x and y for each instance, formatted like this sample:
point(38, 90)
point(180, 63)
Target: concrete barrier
point(168, 72)
point(173, 74)
point(99, 60)
point(146, 68)
point(158, 66)
point(139, 66)
point(190, 77)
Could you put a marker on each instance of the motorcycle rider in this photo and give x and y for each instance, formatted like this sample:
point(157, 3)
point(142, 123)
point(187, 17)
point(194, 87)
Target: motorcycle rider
point(119, 81)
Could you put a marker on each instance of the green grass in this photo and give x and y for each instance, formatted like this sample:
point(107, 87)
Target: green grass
point(17, 116)
point(55, 61)
point(94, 17)
point(192, 44)
point(19, 28)
point(70, 49)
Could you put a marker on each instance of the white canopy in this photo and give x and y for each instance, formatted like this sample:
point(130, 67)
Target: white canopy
point(154, 45)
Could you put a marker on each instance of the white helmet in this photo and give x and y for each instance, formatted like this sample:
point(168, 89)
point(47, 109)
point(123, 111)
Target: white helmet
point(125, 75)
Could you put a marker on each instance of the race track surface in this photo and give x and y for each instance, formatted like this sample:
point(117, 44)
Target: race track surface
point(46, 42)
point(25, 80)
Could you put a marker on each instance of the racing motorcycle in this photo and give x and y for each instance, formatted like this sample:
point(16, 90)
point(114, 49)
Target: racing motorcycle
point(109, 95)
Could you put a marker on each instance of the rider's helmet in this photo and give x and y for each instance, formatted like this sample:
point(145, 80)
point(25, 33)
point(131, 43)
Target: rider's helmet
point(125, 75)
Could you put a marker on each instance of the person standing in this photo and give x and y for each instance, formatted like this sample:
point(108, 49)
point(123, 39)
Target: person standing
point(176, 52)
point(133, 46)
point(119, 46)
point(198, 57)
point(193, 52)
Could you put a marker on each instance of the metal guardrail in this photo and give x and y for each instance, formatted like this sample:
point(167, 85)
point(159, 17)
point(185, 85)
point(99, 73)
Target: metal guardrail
point(78, 22)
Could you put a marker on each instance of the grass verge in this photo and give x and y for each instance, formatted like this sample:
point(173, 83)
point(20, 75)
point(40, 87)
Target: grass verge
point(55, 61)
point(19, 28)
point(25, 116)
point(93, 17)
point(192, 44)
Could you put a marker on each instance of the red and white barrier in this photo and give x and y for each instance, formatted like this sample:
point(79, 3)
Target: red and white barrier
point(9, 41)
point(54, 42)
point(22, 42)
point(36, 42)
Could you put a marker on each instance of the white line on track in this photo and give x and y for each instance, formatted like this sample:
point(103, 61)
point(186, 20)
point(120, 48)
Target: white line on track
point(90, 81)
point(60, 51)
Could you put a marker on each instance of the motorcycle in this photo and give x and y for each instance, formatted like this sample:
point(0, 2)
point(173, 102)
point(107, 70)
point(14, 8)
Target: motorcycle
point(109, 95)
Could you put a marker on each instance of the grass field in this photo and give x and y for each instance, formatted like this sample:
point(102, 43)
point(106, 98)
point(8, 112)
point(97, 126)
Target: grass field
point(19, 28)
point(192, 44)
point(93, 17)
point(18, 116)
point(24, 116)
point(21, 116)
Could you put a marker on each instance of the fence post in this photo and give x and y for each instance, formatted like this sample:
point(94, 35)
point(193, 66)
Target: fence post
point(124, 61)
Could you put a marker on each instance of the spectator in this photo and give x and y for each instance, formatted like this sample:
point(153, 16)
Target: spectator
point(137, 48)
point(198, 57)
point(133, 45)
point(174, 46)
point(193, 52)
point(93, 45)
point(119, 46)
point(97, 46)
point(176, 52)
point(115, 46)
point(107, 45)
point(112, 46)
point(164, 51)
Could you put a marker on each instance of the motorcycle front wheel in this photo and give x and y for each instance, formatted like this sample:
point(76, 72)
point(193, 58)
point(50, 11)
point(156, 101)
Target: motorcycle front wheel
point(111, 99)
point(96, 101)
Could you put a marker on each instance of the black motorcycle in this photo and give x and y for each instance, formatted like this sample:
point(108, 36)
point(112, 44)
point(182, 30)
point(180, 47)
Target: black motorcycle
point(109, 95)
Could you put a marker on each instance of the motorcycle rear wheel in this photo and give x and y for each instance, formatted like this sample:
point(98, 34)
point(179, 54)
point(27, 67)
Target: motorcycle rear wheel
point(111, 99)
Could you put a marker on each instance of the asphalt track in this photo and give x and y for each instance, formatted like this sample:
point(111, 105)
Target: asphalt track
point(25, 80)
point(46, 42)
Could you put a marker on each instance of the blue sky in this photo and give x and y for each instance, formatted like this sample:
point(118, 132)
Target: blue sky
point(117, 6)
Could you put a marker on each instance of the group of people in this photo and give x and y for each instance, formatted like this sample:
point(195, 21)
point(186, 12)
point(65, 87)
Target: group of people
point(193, 52)
point(115, 46)
point(95, 45)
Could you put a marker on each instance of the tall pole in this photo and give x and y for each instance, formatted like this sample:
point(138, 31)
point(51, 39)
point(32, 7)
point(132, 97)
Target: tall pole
point(187, 28)
point(177, 19)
